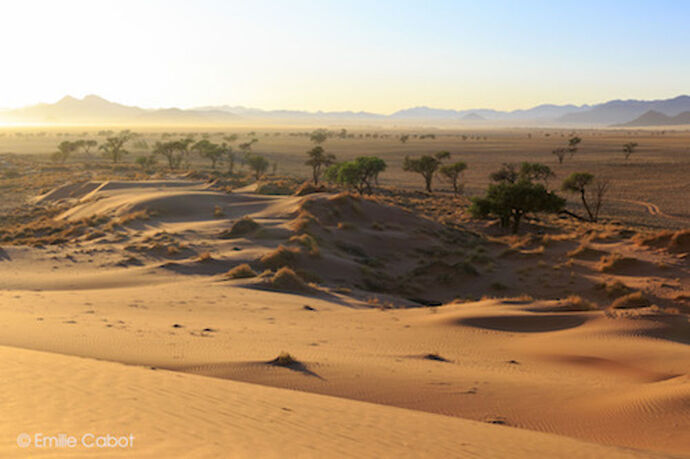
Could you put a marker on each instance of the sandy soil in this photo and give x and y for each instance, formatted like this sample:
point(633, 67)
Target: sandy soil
point(115, 332)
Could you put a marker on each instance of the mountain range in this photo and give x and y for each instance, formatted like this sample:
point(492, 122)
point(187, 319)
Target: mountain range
point(654, 118)
point(93, 109)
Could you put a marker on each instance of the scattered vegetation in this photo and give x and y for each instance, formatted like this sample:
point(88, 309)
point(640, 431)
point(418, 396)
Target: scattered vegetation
point(359, 174)
point(629, 149)
point(242, 271)
point(426, 166)
point(241, 227)
point(591, 192)
point(631, 301)
point(510, 201)
point(288, 280)
point(319, 160)
point(279, 258)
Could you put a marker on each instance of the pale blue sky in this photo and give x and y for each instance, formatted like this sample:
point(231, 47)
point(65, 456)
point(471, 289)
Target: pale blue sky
point(344, 55)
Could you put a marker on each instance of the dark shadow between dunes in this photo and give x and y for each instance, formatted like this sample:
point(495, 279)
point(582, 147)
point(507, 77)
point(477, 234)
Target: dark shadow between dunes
point(229, 370)
point(525, 323)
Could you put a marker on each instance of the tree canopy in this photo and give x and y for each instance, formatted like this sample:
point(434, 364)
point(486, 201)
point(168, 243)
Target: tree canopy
point(426, 166)
point(511, 201)
point(359, 174)
point(318, 161)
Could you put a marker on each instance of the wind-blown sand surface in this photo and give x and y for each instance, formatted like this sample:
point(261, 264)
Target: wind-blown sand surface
point(613, 380)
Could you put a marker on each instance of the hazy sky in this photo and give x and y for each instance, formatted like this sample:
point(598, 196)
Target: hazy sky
point(344, 55)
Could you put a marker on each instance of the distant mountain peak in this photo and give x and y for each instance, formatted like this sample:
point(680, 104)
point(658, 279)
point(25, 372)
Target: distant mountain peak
point(67, 100)
point(655, 118)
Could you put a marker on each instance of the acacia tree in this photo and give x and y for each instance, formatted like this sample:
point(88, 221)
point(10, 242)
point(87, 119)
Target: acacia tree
point(452, 173)
point(319, 136)
point(584, 184)
point(65, 149)
point(536, 172)
point(319, 160)
point(629, 149)
point(246, 149)
point(573, 143)
point(175, 151)
point(359, 174)
point(146, 162)
point(209, 150)
point(86, 145)
point(114, 147)
point(230, 156)
point(560, 154)
point(258, 164)
point(511, 201)
point(510, 173)
point(426, 166)
point(404, 138)
point(166, 149)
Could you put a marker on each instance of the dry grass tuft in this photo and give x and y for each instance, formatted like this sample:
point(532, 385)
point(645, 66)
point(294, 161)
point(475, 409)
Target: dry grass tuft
point(281, 257)
point(204, 257)
point(678, 241)
point(615, 262)
point(242, 271)
point(288, 281)
point(615, 289)
point(631, 301)
point(305, 221)
point(240, 228)
point(577, 303)
point(308, 242)
point(585, 252)
point(128, 218)
point(277, 187)
point(284, 359)
point(309, 188)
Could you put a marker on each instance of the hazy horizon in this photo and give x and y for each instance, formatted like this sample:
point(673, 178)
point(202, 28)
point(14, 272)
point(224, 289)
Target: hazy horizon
point(372, 57)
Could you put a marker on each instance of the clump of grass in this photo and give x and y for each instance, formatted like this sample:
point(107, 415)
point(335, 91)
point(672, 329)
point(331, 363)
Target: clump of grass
point(242, 271)
point(278, 187)
point(127, 218)
point(615, 289)
point(289, 281)
point(241, 227)
point(577, 303)
point(614, 262)
point(304, 221)
point(631, 301)
point(308, 242)
point(204, 257)
point(584, 251)
point(309, 188)
point(345, 226)
point(281, 257)
point(284, 359)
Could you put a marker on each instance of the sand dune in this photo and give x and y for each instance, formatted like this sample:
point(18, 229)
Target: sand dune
point(376, 374)
point(172, 414)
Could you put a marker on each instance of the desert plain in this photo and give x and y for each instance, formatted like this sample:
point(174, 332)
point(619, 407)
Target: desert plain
point(212, 314)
